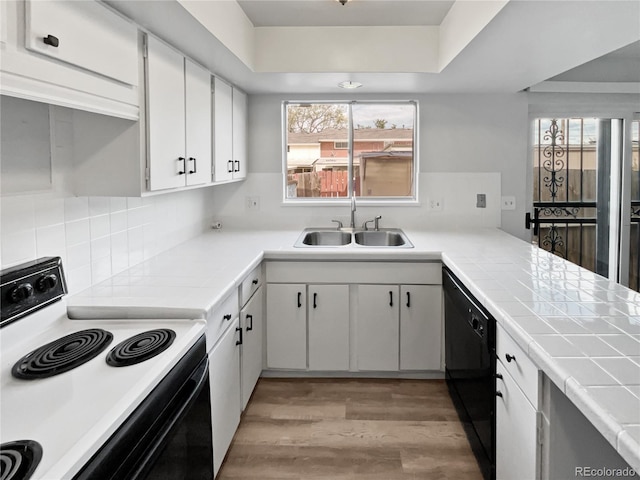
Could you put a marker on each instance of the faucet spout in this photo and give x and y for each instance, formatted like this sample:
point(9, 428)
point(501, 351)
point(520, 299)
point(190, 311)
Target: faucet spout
point(353, 211)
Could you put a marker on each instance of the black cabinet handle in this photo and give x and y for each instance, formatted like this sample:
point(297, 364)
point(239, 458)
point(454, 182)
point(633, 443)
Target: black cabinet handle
point(51, 40)
point(299, 299)
point(250, 318)
point(237, 162)
point(390, 299)
point(315, 300)
point(229, 166)
point(408, 299)
point(239, 342)
point(499, 375)
point(184, 165)
point(195, 165)
point(227, 317)
point(510, 358)
point(499, 394)
point(255, 281)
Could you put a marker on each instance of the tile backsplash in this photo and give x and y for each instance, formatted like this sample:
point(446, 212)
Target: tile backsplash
point(97, 237)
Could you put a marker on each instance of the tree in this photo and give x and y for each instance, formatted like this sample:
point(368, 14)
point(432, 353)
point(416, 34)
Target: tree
point(380, 123)
point(314, 118)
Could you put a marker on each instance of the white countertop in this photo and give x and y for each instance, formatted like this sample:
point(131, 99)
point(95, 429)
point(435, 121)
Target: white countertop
point(581, 329)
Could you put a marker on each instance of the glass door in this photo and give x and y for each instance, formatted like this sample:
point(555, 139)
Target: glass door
point(634, 242)
point(576, 187)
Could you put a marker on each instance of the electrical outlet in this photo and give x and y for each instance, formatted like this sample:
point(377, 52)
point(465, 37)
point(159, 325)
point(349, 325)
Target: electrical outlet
point(252, 203)
point(434, 204)
point(481, 200)
point(508, 203)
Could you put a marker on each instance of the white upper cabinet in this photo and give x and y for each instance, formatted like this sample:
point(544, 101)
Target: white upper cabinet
point(74, 54)
point(179, 119)
point(230, 132)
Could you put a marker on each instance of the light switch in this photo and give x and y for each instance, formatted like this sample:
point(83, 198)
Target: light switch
point(481, 200)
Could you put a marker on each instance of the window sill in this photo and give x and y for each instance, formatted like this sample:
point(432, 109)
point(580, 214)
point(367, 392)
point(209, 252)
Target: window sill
point(412, 202)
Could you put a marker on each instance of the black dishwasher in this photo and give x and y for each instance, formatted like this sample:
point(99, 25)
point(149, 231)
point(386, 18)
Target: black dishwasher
point(470, 368)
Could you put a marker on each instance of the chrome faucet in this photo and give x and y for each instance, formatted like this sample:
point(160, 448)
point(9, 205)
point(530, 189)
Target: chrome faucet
point(353, 210)
point(376, 224)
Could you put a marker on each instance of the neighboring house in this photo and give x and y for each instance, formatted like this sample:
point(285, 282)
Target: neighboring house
point(388, 152)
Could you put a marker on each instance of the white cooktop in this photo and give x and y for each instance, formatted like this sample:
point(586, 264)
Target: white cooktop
point(72, 414)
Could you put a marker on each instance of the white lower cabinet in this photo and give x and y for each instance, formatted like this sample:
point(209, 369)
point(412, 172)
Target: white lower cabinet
point(251, 350)
point(224, 367)
point(378, 327)
point(328, 327)
point(517, 417)
point(287, 326)
point(516, 431)
point(420, 327)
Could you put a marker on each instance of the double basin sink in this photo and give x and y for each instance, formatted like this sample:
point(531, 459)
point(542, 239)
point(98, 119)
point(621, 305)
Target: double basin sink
point(330, 237)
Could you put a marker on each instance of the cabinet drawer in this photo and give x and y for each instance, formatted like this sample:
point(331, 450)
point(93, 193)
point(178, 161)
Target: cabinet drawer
point(428, 273)
point(222, 317)
point(518, 364)
point(87, 35)
point(250, 284)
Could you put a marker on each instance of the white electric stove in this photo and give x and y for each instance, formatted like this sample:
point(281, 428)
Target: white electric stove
point(68, 387)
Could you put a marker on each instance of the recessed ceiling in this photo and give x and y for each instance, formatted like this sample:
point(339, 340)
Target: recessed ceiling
point(322, 13)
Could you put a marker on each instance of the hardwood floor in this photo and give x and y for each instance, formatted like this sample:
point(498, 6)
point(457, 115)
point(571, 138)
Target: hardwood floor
point(350, 429)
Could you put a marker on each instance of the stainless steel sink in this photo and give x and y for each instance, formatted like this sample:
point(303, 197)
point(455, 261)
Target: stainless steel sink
point(330, 237)
point(382, 238)
point(323, 238)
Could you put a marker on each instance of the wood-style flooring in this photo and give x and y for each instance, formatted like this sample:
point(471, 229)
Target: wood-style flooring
point(350, 429)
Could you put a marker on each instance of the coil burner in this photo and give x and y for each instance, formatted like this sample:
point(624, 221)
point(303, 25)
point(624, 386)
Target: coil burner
point(63, 354)
point(140, 347)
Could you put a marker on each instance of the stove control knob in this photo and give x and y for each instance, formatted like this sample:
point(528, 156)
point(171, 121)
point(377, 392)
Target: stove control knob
point(20, 292)
point(47, 282)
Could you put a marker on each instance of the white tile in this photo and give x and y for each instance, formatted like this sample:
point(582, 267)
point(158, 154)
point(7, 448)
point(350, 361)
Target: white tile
point(586, 372)
point(626, 324)
point(17, 214)
point(100, 226)
point(533, 325)
point(134, 202)
point(49, 211)
point(117, 204)
point(625, 344)
point(136, 217)
point(119, 252)
point(565, 325)
point(99, 206)
point(100, 270)
point(77, 232)
point(100, 248)
point(76, 208)
point(635, 389)
point(51, 241)
point(592, 346)
point(622, 369)
point(79, 255)
point(619, 402)
point(557, 346)
point(118, 221)
point(136, 245)
point(18, 247)
point(78, 278)
point(597, 325)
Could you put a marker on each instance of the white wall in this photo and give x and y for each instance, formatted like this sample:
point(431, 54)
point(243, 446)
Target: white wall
point(468, 144)
point(96, 236)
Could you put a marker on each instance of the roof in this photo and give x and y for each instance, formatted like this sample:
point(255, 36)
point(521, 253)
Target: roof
point(359, 134)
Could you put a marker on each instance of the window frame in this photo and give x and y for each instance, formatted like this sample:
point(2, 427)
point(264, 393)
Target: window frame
point(333, 201)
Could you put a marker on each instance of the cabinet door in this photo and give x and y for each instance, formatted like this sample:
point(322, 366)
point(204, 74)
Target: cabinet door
point(223, 130)
point(165, 116)
point(224, 365)
point(198, 123)
point(516, 429)
point(239, 134)
point(88, 35)
point(251, 359)
point(328, 327)
point(378, 327)
point(286, 326)
point(420, 327)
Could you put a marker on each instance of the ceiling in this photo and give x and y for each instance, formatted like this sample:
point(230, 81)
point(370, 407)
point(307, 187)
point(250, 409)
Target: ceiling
point(322, 13)
point(519, 44)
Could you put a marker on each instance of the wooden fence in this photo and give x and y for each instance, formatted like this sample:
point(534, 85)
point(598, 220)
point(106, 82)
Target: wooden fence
point(325, 183)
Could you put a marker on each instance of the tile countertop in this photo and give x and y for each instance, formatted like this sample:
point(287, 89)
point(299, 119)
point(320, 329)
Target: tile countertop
point(581, 329)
